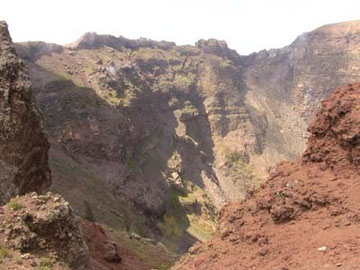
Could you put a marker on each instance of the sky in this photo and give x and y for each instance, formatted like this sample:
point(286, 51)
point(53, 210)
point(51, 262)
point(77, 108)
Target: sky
point(246, 25)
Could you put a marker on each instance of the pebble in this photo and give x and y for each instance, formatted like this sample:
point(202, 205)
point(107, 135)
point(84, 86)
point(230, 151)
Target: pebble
point(263, 251)
point(322, 249)
point(25, 256)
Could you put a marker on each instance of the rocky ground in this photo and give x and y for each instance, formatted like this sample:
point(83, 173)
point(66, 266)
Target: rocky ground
point(118, 251)
point(306, 216)
point(41, 231)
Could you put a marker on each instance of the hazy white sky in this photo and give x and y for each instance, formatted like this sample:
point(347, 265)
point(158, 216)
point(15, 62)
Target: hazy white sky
point(246, 25)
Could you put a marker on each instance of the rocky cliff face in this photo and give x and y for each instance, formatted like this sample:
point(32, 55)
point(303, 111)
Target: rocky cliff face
point(134, 124)
point(23, 145)
point(37, 231)
point(152, 135)
point(42, 231)
point(289, 83)
point(306, 215)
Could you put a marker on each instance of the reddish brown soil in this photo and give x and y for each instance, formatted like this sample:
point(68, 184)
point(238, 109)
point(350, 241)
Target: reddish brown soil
point(98, 240)
point(305, 205)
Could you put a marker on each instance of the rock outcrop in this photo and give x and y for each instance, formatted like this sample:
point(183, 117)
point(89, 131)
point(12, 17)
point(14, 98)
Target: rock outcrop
point(23, 145)
point(306, 215)
point(95, 41)
point(43, 224)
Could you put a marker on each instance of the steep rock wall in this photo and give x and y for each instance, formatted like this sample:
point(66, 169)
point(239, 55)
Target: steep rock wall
point(23, 145)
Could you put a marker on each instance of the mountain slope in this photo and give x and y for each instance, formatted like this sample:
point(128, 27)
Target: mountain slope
point(306, 216)
point(141, 122)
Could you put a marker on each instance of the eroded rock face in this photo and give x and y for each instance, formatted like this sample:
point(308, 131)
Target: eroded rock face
point(305, 208)
point(143, 123)
point(23, 145)
point(289, 83)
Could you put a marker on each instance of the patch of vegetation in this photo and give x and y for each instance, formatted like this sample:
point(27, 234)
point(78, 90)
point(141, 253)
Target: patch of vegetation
point(203, 216)
point(127, 98)
point(182, 81)
point(236, 157)
point(18, 261)
point(165, 266)
point(112, 98)
point(15, 205)
point(132, 165)
point(239, 164)
point(174, 195)
point(88, 212)
point(4, 253)
point(189, 211)
point(201, 228)
point(153, 255)
point(171, 227)
point(107, 54)
point(90, 68)
point(45, 264)
point(225, 64)
point(189, 107)
point(174, 222)
point(143, 53)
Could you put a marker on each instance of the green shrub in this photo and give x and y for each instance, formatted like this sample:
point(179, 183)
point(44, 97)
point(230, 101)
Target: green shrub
point(14, 205)
point(189, 107)
point(45, 264)
point(238, 157)
point(132, 165)
point(171, 227)
point(4, 252)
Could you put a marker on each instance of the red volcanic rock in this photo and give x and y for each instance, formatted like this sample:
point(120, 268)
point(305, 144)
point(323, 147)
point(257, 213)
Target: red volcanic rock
point(306, 216)
point(335, 133)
